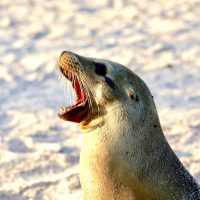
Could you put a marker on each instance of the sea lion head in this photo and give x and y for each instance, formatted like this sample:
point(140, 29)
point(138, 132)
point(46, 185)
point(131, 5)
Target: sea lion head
point(103, 87)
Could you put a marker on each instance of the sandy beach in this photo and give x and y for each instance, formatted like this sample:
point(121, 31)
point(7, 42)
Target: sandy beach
point(158, 40)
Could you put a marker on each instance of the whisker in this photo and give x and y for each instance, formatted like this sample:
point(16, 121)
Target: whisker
point(90, 92)
point(73, 85)
point(88, 95)
point(69, 89)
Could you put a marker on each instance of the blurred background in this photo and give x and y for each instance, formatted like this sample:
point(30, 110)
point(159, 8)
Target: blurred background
point(159, 40)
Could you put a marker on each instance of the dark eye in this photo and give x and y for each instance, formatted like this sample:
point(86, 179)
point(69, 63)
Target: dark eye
point(100, 69)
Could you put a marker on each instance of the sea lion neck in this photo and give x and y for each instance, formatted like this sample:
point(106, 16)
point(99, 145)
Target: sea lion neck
point(103, 121)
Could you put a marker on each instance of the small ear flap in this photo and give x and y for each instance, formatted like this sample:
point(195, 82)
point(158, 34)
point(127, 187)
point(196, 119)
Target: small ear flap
point(132, 95)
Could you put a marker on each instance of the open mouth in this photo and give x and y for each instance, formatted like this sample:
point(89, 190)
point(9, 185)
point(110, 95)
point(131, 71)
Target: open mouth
point(80, 109)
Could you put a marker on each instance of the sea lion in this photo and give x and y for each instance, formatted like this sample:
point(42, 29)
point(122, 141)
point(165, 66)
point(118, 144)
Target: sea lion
point(124, 155)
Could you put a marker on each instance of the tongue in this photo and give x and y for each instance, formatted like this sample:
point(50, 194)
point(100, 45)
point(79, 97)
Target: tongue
point(76, 114)
point(81, 95)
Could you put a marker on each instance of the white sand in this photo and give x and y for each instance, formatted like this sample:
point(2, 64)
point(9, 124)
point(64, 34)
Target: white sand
point(159, 40)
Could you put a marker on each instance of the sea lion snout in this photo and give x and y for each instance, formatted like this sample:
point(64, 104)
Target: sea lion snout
point(65, 54)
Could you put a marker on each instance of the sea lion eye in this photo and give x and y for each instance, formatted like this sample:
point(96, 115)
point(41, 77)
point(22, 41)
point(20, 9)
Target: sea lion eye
point(100, 69)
